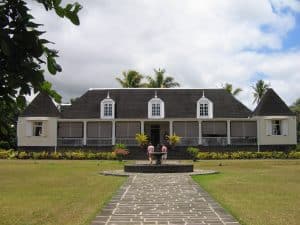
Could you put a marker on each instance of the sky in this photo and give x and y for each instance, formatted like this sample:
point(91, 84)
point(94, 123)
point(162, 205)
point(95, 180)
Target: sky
point(202, 44)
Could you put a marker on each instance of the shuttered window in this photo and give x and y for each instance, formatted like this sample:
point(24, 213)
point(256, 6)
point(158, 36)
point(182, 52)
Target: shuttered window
point(186, 129)
point(127, 129)
point(214, 129)
point(99, 129)
point(70, 129)
point(243, 129)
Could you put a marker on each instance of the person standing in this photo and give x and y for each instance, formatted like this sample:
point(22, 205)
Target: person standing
point(165, 150)
point(150, 150)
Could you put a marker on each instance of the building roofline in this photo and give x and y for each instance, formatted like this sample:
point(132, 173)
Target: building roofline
point(180, 88)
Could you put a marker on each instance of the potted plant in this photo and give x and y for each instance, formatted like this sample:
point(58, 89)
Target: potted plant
point(173, 140)
point(142, 140)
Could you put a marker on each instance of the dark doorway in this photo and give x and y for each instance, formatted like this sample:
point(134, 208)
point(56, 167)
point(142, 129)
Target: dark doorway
point(155, 134)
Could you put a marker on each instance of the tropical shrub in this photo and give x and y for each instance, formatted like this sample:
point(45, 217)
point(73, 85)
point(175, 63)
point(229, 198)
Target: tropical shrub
point(294, 155)
point(121, 153)
point(142, 140)
point(91, 155)
point(56, 155)
point(193, 152)
point(23, 155)
point(119, 146)
point(4, 154)
point(173, 139)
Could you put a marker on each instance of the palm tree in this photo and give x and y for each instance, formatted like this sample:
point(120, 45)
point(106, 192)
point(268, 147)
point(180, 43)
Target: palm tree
point(160, 81)
point(259, 89)
point(131, 79)
point(228, 87)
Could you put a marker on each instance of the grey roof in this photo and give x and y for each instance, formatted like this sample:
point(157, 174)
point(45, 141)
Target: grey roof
point(133, 103)
point(272, 105)
point(42, 105)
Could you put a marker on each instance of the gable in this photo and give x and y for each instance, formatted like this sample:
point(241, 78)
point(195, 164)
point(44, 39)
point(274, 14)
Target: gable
point(272, 105)
point(41, 105)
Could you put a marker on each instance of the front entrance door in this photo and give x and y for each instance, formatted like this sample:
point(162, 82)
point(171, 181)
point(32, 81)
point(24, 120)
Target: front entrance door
point(155, 134)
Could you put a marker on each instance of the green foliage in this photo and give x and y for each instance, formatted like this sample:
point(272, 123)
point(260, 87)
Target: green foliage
point(131, 79)
point(160, 81)
point(193, 152)
point(173, 139)
point(142, 139)
point(23, 54)
point(71, 155)
point(23, 155)
point(4, 145)
point(229, 88)
point(249, 155)
point(259, 90)
point(119, 146)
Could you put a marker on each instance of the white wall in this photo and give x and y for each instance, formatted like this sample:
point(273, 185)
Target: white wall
point(265, 139)
point(47, 139)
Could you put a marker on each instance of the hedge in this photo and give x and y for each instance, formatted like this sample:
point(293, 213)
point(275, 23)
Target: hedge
point(249, 155)
point(70, 155)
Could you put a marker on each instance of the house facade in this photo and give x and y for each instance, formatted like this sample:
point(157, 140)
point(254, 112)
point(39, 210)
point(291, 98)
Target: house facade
point(201, 117)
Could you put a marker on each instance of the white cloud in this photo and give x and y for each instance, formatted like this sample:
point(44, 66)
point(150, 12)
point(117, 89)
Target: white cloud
point(200, 43)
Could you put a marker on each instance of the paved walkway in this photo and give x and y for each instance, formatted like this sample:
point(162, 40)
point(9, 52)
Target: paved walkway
point(162, 199)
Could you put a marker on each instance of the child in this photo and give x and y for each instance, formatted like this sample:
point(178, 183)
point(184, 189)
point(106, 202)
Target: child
point(150, 150)
point(164, 149)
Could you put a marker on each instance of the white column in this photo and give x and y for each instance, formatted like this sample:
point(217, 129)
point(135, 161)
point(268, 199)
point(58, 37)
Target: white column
point(258, 134)
point(84, 132)
point(200, 133)
point(171, 127)
point(142, 126)
point(113, 133)
point(228, 132)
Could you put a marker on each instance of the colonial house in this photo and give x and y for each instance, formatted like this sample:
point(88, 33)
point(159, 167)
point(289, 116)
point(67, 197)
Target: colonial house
point(100, 118)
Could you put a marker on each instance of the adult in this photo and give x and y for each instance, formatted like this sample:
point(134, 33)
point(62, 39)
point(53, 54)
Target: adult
point(150, 150)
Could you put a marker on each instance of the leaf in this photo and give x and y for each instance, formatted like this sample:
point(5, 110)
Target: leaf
point(73, 17)
point(56, 2)
point(59, 11)
point(5, 47)
point(50, 65)
point(21, 101)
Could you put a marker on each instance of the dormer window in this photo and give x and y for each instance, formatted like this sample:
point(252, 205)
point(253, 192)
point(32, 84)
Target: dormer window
point(204, 108)
point(156, 108)
point(107, 108)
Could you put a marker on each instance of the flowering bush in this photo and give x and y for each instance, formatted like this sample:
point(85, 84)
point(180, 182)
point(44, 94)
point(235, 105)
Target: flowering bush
point(120, 153)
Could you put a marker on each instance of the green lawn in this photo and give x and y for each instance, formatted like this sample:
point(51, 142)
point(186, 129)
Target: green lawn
point(256, 192)
point(54, 192)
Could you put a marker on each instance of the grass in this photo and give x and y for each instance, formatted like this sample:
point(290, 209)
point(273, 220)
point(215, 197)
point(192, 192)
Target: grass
point(54, 192)
point(256, 192)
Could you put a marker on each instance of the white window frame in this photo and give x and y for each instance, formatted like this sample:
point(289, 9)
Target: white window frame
point(104, 103)
point(35, 125)
point(283, 127)
point(156, 101)
point(205, 101)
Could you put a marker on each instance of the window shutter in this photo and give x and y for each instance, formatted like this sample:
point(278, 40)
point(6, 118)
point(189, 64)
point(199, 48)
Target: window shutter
point(269, 127)
point(28, 127)
point(285, 127)
point(45, 128)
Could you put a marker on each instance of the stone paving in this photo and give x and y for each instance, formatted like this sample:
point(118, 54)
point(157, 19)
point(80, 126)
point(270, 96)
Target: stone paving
point(162, 199)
